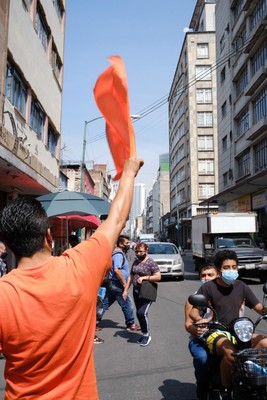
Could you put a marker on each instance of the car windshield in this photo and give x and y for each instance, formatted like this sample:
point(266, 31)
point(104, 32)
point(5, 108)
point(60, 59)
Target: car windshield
point(234, 242)
point(162, 249)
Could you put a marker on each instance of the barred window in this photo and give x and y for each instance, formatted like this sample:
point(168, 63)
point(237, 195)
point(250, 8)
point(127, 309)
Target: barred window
point(37, 118)
point(204, 95)
point(243, 164)
point(260, 152)
point(15, 91)
point(41, 28)
point(206, 190)
point(242, 123)
point(260, 106)
point(52, 140)
point(203, 72)
point(205, 142)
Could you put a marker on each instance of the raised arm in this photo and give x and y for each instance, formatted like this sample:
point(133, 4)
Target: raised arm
point(121, 205)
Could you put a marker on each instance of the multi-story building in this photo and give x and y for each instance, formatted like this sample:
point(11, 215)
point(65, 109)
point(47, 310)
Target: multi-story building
point(158, 201)
point(137, 209)
point(242, 107)
point(32, 50)
point(193, 124)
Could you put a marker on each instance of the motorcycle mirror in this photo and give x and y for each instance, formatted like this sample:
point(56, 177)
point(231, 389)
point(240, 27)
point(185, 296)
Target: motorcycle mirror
point(198, 300)
point(265, 288)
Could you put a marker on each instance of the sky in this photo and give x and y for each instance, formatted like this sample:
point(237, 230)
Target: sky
point(148, 35)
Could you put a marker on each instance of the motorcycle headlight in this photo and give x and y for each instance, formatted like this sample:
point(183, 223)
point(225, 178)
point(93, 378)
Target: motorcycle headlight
point(244, 330)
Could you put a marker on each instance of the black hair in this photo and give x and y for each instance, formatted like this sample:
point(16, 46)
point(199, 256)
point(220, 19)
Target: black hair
point(205, 266)
point(73, 240)
point(223, 255)
point(121, 239)
point(23, 226)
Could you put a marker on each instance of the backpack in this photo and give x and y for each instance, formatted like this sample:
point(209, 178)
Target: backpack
point(107, 277)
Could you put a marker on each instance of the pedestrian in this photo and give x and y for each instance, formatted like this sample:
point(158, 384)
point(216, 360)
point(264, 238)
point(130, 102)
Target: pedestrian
point(118, 282)
point(196, 345)
point(48, 314)
point(3, 256)
point(144, 268)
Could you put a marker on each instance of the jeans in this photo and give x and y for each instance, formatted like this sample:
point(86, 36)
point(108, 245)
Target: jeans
point(200, 361)
point(114, 292)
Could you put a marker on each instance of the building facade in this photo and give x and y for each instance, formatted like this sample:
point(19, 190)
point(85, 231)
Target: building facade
point(193, 124)
point(32, 42)
point(242, 107)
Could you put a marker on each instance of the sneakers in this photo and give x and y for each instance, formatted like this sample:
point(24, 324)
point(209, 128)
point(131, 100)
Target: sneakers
point(133, 327)
point(97, 340)
point(144, 341)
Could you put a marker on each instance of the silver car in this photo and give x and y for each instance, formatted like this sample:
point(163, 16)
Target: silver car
point(168, 258)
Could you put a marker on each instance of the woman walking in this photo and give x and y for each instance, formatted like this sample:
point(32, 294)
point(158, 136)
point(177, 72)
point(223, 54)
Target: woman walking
point(144, 268)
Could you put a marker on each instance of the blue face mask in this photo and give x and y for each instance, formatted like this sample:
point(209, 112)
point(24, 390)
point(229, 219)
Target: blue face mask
point(202, 282)
point(229, 276)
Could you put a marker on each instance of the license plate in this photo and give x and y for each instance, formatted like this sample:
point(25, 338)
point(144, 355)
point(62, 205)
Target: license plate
point(163, 269)
point(249, 266)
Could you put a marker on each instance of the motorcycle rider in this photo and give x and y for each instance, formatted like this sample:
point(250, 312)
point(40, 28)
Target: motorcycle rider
point(227, 295)
point(196, 344)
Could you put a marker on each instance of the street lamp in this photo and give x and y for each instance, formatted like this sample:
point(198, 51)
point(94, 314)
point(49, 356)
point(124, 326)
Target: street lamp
point(133, 116)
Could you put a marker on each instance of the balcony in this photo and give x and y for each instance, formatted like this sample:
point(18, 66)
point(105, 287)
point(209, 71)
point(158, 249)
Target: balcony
point(256, 80)
point(257, 129)
point(256, 32)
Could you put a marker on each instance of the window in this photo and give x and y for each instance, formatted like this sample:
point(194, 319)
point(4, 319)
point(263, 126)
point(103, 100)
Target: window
point(205, 143)
point(206, 190)
point(55, 62)
point(260, 152)
point(243, 164)
point(225, 179)
point(242, 123)
point(224, 143)
point(242, 82)
point(203, 72)
point(16, 91)
point(237, 9)
point(204, 119)
point(59, 9)
point(202, 50)
point(260, 106)
point(204, 95)
point(222, 43)
point(223, 74)
point(224, 109)
point(257, 13)
point(41, 28)
point(259, 58)
point(206, 167)
point(37, 118)
point(52, 140)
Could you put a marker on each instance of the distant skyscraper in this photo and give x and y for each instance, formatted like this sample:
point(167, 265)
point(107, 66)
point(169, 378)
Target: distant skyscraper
point(138, 206)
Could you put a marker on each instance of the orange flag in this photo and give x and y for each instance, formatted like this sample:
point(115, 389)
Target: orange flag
point(111, 96)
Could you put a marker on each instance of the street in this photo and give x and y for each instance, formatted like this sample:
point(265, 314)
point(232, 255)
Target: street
point(161, 371)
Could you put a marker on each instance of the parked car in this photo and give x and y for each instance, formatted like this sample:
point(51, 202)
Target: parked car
point(168, 258)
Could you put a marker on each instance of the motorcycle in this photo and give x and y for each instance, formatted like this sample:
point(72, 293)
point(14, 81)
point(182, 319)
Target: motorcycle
point(250, 376)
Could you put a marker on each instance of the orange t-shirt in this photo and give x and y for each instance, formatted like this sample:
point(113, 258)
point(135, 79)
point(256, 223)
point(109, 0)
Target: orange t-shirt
point(47, 324)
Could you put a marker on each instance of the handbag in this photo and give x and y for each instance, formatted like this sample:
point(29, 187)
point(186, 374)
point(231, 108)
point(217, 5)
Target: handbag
point(148, 290)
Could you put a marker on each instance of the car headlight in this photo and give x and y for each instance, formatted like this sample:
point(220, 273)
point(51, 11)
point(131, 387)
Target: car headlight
point(244, 329)
point(264, 259)
point(176, 262)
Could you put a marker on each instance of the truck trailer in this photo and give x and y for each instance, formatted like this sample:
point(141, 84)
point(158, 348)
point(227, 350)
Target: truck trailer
point(215, 231)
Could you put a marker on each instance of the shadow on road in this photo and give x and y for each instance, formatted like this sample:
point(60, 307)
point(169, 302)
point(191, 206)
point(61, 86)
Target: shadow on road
point(174, 390)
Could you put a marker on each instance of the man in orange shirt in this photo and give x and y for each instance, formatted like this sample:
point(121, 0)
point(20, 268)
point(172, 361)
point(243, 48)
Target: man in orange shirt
point(48, 318)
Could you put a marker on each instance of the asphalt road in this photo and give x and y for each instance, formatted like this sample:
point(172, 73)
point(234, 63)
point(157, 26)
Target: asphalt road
point(161, 371)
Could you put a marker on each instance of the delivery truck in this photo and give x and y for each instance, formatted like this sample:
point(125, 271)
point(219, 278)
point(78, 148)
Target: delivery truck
point(215, 231)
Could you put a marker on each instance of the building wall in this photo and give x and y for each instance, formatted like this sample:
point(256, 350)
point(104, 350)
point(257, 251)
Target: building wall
point(193, 123)
point(242, 86)
point(30, 149)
